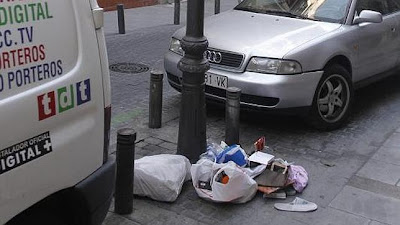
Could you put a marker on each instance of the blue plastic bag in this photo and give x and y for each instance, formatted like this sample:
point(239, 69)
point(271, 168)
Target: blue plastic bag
point(233, 153)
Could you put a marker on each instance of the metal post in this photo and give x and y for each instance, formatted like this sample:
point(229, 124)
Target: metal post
point(155, 103)
point(124, 178)
point(232, 115)
point(192, 120)
point(177, 11)
point(121, 18)
point(217, 6)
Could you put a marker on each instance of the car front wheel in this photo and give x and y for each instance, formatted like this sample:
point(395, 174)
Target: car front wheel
point(332, 100)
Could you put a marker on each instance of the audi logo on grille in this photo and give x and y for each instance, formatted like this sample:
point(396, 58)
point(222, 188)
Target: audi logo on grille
point(213, 56)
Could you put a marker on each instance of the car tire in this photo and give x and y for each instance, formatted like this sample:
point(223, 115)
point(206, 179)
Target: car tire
point(333, 99)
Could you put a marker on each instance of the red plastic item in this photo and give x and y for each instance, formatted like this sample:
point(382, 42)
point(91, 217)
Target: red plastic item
point(260, 144)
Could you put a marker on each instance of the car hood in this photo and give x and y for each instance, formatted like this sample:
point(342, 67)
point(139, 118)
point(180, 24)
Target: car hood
point(256, 34)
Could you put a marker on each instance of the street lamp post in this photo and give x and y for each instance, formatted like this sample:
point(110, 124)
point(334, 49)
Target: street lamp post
point(192, 121)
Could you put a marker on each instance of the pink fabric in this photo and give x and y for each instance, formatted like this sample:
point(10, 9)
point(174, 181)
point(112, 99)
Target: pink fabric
point(298, 176)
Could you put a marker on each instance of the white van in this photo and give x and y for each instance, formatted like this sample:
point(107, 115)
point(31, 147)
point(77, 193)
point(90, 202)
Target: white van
point(55, 108)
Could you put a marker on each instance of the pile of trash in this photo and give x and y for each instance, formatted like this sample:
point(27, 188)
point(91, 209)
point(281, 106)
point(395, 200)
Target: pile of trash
point(224, 174)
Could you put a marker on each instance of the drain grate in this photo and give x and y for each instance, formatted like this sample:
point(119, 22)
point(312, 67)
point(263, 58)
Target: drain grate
point(129, 68)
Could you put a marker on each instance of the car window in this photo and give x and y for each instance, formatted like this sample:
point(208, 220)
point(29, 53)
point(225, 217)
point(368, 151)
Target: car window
point(381, 6)
point(323, 10)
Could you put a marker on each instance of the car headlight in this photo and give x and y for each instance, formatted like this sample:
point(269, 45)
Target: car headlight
point(273, 66)
point(175, 46)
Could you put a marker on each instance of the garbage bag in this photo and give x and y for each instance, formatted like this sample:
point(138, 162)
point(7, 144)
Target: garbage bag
point(222, 182)
point(298, 176)
point(161, 177)
point(212, 151)
point(233, 153)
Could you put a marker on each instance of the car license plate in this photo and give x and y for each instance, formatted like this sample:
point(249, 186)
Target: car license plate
point(217, 81)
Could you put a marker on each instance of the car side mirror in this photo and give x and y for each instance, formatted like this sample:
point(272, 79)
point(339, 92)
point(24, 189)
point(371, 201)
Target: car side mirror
point(368, 16)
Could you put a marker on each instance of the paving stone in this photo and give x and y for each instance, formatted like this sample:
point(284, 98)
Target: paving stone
point(346, 165)
point(376, 223)
point(209, 220)
point(114, 219)
point(361, 147)
point(153, 141)
point(258, 217)
point(113, 148)
point(368, 205)
point(144, 212)
point(336, 148)
point(388, 154)
point(169, 145)
point(328, 216)
point(375, 186)
point(149, 212)
point(153, 150)
point(192, 214)
point(393, 141)
point(168, 219)
point(380, 171)
point(279, 220)
point(141, 144)
point(169, 133)
point(171, 109)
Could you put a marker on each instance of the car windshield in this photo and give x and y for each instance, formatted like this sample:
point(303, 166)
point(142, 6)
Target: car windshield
point(322, 10)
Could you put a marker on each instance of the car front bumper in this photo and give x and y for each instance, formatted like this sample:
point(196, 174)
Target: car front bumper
point(258, 90)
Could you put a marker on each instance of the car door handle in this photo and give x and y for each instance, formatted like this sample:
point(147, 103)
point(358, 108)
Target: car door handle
point(393, 29)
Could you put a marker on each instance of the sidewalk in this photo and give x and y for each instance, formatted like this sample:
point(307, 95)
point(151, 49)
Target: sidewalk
point(157, 15)
point(373, 192)
point(360, 185)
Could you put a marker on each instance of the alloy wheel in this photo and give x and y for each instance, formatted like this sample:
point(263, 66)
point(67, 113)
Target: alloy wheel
point(333, 98)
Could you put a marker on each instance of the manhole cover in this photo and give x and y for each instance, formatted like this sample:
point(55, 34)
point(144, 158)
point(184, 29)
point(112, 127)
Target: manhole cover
point(129, 68)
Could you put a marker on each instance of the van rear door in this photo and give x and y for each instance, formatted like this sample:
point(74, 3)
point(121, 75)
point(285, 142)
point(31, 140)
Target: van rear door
point(51, 100)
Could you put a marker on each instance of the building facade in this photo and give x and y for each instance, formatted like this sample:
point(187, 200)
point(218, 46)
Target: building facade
point(111, 4)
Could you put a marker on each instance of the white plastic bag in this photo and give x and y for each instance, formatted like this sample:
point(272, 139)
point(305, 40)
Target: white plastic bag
point(161, 177)
point(240, 187)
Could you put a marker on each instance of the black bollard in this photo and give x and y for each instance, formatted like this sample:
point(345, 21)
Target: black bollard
point(217, 6)
point(177, 12)
point(232, 115)
point(121, 18)
point(155, 103)
point(124, 179)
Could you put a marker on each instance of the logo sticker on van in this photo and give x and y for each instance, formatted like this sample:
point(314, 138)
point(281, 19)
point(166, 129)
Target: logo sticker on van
point(25, 151)
point(24, 58)
point(63, 99)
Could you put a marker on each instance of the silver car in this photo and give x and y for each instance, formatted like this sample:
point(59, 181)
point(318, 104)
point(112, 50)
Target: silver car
point(306, 54)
